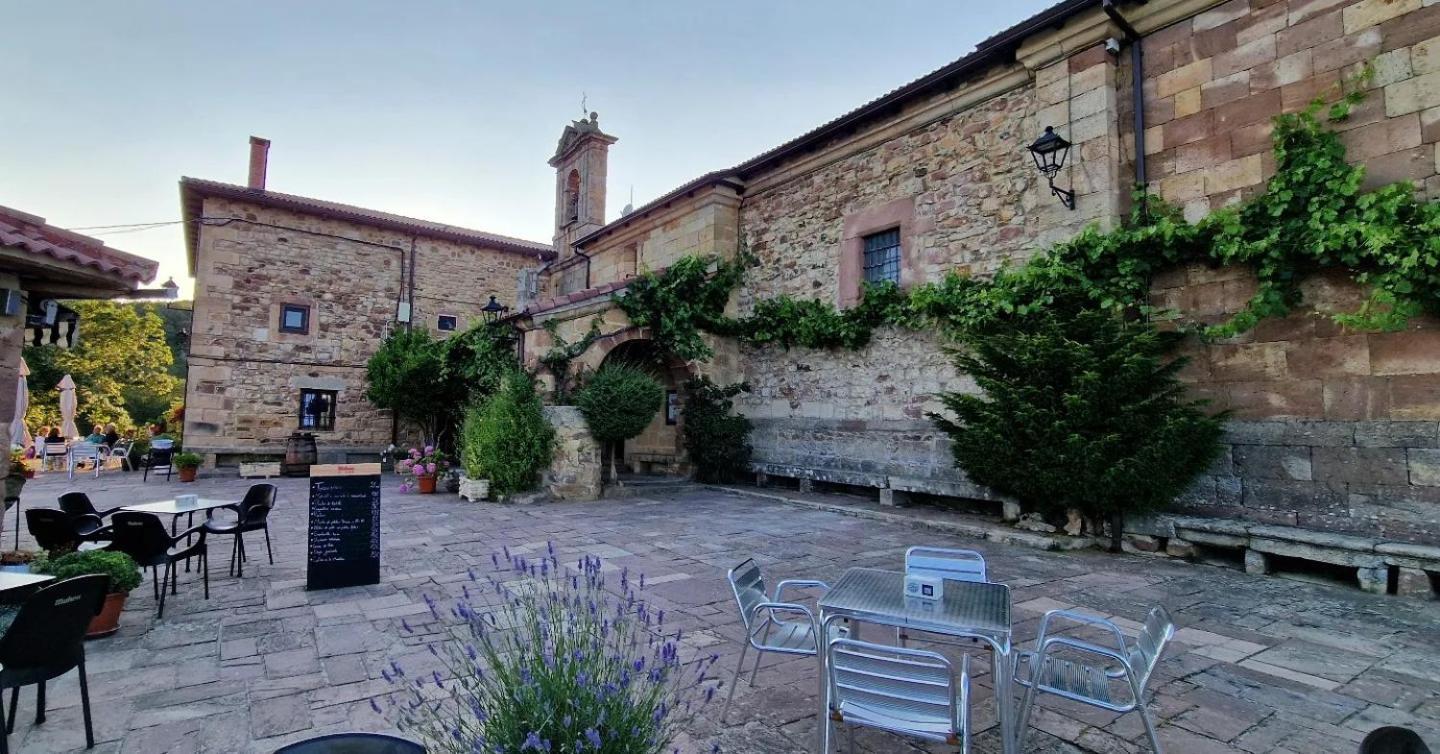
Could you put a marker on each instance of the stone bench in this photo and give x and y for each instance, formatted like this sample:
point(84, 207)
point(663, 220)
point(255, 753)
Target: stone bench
point(1381, 566)
point(894, 489)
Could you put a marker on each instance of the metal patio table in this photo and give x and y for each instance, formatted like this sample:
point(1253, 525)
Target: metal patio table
point(968, 609)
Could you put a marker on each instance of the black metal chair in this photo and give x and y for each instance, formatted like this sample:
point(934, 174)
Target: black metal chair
point(143, 537)
point(157, 458)
point(58, 531)
point(47, 639)
point(353, 743)
point(251, 514)
point(78, 505)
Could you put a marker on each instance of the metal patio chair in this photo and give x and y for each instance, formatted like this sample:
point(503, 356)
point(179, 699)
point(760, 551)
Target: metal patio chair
point(84, 451)
point(945, 563)
point(1062, 665)
point(767, 627)
point(912, 692)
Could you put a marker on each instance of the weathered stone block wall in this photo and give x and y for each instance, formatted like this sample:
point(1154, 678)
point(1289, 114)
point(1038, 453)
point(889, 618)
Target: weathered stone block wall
point(1374, 478)
point(977, 203)
point(245, 376)
point(1213, 84)
point(574, 473)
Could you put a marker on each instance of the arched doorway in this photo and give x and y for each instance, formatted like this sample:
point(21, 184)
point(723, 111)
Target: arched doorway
point(660, 449)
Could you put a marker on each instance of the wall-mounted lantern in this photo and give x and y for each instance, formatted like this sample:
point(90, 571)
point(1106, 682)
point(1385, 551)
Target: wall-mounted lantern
point(494, 311)
point(1050, 151)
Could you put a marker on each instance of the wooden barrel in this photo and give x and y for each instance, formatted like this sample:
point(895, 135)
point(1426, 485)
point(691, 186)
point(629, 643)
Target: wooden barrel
point(300, 453)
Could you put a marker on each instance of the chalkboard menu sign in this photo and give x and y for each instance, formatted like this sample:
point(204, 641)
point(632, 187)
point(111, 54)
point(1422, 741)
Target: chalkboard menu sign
point(344, 526)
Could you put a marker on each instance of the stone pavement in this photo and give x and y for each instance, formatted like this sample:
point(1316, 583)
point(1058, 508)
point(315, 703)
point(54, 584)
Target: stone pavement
point(1259, 665)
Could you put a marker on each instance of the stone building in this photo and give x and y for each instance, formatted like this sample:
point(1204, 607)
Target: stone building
point(292, 297)
point(1333, 430)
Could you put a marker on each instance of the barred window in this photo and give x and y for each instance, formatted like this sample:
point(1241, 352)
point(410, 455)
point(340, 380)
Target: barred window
point(317, 409)
point(882, 257)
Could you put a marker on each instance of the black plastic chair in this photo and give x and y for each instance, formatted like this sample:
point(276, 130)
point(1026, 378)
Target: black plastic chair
point(156, 458)
point(143, 537)
point(78, 503)
point(46, 640)
point(353, 743)
point(58, 531)
point(251, 514)
point(1393, 740)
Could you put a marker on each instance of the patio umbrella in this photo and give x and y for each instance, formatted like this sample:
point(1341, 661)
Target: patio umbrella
point(67, 408)
point(18, 433)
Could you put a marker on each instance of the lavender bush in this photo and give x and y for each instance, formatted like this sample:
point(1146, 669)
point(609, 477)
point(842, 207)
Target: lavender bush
point(544, 658)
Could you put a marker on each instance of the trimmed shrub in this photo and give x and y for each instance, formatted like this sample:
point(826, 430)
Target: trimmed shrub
point(1081, 409)
point(716, 439)
point(506, 439)
point(618, 402)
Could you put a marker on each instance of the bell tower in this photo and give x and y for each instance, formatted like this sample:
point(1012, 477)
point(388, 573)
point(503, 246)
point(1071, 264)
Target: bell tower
point(579, 164)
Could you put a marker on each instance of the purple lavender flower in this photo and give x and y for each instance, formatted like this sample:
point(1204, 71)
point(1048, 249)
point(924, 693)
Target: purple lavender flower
point(593, 737)
point(533, 741)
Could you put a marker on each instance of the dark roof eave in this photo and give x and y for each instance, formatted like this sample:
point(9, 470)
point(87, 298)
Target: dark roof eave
point(996, 48)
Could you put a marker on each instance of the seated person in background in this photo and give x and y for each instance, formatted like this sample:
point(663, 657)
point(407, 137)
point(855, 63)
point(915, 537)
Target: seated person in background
point(96, 436)
point(40, 439)
point(54, 437)
point(111, 436)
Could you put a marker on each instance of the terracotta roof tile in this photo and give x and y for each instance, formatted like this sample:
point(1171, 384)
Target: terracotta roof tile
point(33, 235)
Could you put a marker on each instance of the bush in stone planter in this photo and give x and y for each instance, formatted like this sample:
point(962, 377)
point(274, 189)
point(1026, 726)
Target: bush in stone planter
point(1081, 409)
point(506, 439)
point(618, 402)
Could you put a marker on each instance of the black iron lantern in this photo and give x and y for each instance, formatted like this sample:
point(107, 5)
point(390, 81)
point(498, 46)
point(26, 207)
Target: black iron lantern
point(1050, 151)
point(494, 311)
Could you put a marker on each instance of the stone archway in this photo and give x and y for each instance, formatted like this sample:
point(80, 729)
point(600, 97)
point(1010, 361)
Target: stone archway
point(660, 449)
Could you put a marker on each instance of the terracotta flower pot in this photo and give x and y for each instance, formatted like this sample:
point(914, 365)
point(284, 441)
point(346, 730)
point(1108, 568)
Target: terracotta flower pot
point(187, 473)
point(108, 620)
point(426, 483)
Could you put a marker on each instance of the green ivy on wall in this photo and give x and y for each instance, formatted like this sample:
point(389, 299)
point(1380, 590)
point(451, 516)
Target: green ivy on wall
point(1313, 215)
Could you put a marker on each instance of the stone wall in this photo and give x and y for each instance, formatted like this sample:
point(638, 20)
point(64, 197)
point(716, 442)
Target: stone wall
point(245, 376)
point(12, 341)
point(574, 474)
point(967, 199)
point(1333, 430)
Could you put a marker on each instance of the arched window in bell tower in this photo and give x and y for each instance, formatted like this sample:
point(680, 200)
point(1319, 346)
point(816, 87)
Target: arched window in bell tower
point(572, 197)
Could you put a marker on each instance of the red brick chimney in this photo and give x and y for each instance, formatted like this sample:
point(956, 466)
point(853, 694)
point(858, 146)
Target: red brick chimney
point(259, 158)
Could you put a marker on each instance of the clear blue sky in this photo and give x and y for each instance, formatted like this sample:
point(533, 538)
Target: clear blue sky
point(440, 110)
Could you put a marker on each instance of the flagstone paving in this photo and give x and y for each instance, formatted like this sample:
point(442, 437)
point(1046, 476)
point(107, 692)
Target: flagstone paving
point(1259, 664)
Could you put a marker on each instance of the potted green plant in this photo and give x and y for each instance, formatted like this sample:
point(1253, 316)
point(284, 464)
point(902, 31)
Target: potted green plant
point(124, 576)
point(188, 464)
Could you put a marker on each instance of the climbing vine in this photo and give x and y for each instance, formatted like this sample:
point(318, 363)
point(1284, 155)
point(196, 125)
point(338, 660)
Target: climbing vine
point(1313, 215)
point(557, 360)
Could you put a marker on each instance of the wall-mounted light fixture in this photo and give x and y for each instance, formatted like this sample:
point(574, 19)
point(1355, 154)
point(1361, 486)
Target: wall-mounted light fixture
point(494, 310)
point(1050, 151)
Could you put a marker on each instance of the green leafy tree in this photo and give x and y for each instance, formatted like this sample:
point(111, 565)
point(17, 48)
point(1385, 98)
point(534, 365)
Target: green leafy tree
point(429, 381)
point(506, 438)
point(120, 364)
point(618, 402)
point(715, 438)
point(1081, 409)
point(407, 376)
